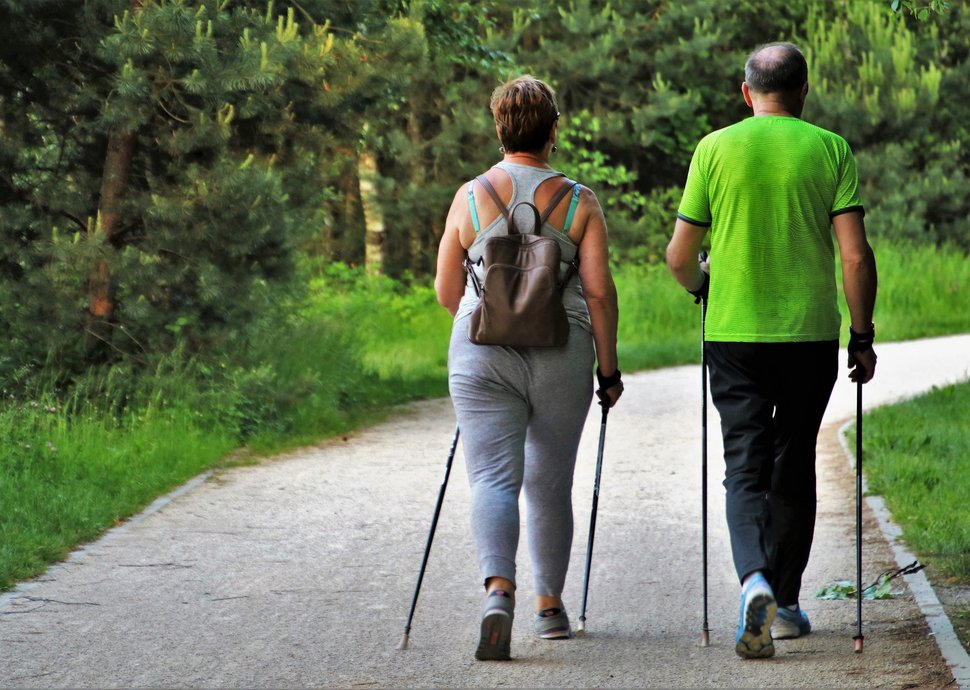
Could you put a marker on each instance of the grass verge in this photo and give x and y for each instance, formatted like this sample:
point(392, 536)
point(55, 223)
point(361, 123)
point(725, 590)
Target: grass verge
point(918, 459)
point(67, 478)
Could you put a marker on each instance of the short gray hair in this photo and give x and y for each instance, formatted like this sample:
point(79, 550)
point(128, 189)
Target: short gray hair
point(776, 68)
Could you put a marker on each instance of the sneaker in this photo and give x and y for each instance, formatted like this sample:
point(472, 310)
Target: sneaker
point(497, 614)
point(790, 624)
point(552, 624)
point(758, 609)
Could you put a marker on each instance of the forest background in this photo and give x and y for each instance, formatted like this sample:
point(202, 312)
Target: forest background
point(219, 218)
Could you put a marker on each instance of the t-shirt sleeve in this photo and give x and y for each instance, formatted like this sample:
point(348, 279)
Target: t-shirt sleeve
point(847, 190)
point(695, 205)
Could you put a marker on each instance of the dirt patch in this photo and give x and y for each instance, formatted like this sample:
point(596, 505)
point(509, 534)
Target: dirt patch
point(925, 667)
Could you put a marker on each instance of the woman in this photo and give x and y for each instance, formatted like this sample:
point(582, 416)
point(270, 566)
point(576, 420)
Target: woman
point(521, 410)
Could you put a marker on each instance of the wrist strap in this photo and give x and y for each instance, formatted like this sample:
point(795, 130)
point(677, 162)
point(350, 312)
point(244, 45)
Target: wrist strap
point(861, 342)
point(701, 292)
point(607, 381)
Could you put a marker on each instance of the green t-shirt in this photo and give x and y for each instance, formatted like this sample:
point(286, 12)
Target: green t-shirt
point(768, 187)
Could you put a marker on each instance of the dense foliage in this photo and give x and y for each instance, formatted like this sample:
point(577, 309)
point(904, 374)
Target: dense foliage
point(163, 165)
point(167, 165)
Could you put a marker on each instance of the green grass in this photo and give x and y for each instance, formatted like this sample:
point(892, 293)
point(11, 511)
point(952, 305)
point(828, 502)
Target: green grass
point(923, 292)
point(917, 456)
point(67, 478)
point(659, 322)
point(344, 356)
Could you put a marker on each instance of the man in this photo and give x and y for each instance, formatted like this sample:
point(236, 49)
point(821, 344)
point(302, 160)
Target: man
point(769, 188)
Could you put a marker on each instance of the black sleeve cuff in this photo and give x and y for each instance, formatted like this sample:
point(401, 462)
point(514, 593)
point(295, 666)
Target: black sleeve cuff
point(847, 209)
point(698, 223)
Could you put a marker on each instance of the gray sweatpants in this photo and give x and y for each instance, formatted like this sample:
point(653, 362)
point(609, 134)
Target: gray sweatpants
point(521, 413)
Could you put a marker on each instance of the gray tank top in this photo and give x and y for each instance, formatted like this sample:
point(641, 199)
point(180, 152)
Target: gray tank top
point(525, 180)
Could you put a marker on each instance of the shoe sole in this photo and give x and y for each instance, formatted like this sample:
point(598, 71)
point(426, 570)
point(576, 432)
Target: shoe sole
point(786, 630)
point(496, 639)
point(755, 642)
point(557, 635)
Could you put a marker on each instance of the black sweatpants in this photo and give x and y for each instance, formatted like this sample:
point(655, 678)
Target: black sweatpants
point(771, 398)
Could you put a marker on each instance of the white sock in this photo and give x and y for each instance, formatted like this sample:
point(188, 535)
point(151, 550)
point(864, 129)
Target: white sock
point(750, 577)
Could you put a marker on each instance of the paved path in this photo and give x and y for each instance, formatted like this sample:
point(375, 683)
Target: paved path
point(299, 572)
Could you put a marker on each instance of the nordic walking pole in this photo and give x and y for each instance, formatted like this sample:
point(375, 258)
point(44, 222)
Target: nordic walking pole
point(705, 633)
point(427, 547)
point(859, 637)
point(605, 403)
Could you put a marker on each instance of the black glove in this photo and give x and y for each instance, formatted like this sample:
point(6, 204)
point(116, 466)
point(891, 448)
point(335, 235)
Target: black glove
point(861, 342)
point(701, 292)
point(605, 382)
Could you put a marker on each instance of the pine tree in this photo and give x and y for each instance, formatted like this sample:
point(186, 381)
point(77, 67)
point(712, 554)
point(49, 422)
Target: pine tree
point(164, 161)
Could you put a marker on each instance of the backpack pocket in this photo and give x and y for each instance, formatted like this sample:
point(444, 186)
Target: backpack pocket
point(521, 300)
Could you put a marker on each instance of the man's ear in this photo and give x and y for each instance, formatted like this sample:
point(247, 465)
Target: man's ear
point(746, 92)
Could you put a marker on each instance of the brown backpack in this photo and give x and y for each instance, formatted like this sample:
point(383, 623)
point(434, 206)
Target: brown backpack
point(520, 302)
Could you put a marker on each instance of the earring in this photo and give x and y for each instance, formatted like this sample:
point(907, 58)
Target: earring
point(501, 149)
point(554, 148)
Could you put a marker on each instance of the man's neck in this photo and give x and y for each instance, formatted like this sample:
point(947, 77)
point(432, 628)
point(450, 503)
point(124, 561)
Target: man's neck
point(766, 105)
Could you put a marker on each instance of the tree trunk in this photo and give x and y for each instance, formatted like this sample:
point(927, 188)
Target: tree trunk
point(419, 182)
point(347, 233)
point(114, 182)
point(373, 216)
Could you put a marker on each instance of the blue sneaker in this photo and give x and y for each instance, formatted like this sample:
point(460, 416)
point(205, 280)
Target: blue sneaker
point(790, 624)
point(758, 609)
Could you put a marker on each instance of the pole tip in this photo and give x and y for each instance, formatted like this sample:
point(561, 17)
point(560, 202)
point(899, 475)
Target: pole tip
point(404, 642)
point(581, 628)
point(705, 638)
point(858, 643)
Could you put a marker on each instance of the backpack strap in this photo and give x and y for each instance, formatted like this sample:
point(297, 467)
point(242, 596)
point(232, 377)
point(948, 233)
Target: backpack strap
point(576, 188)
point(469, 264)
point(537, 223)
point(573, 267)
point(557, 197)
point(470, 269)
point(495, 197)
point(510, 214)
point(543, 217)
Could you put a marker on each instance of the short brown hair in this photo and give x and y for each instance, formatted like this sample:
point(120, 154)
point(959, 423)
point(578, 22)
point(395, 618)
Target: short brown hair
point(525, 110)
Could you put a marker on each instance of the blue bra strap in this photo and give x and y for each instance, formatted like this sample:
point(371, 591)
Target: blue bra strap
point(471, 207)
point(573, 203)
